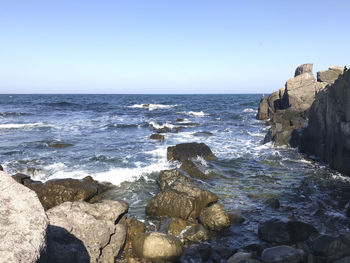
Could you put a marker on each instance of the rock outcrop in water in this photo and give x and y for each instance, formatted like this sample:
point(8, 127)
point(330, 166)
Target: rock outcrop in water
point(328, 131)
point(185, 151)
point(23, 223)
point(58, 191)
point(288, 108)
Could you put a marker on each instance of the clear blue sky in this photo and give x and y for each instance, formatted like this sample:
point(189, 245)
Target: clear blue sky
point(164, 46)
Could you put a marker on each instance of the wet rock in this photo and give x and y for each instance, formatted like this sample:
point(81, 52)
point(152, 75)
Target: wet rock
point(179, 120)
point(330, 247)
point(284, 231)
point(185, 201)
point(177, 226)
point(330, 75)
point(134, 228)
point(60, 145)
point(157, 137)
point(343, 260)
point(196, 233)
point(273, 203)
point(157, 247)
point(193, 170)
point(23, 223)
point(201, 252)
point(168, 177)
point(146, 105)
point(214, 217)
point(55, 192)
point(1, 168)
point(203, 133)
point(282, 254)
point(246, 257)
point(163, 130)
point(185, 151)
point(256, 248)
point(304, 68)
point(236, 218)
point(99, 228)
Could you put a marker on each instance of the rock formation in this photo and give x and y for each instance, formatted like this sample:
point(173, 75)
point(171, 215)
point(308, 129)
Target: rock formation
point(83, 232)
point(328, 131)
point(23, 223)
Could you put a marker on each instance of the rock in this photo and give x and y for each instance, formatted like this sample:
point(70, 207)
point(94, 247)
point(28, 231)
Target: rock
point(203, 133)
point(214, 217)
point(268, 106)
point(163, 130)
point(263, 110)
point(236, 218)
point(330, 75)
point(273, 203)
point(331, 247)
point(196, 233)
point(282, 254)
point(134, 228)
point(60, 145)
point(55, 192)
point(240, 257)
point(177, 226)
point(157, 137)
point(183, 201)
point(1, 168)
point(328, 131)
point(343, 260)
point(157, 247)
point(146, 105)
point(304, 68)
point(193, 170)
point(179, 120)
point(180, 197)
point(285, 232)
point(185, 151)
point(348, 211)
point(98, 228)
point(23, 223)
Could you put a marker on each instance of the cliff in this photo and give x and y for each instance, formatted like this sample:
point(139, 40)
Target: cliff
point(327, 135)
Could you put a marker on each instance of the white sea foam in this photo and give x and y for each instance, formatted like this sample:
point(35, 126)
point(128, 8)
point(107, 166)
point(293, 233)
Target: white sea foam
point(250, 110)
point(23, 125)
point(156, 125)
point(152, 107)
point(195, 113)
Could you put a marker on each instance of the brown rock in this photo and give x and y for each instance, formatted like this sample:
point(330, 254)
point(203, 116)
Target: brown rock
point(193, 170)
point(134, 228)
point(185, 151)
point(157, 137)
point(214, 217)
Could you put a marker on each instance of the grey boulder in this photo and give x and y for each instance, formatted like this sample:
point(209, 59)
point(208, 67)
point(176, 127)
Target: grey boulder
point(282, 254)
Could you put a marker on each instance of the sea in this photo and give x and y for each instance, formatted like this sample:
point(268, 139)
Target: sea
point(108, 137)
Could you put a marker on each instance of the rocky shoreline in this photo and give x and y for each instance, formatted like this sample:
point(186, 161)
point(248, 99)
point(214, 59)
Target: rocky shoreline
point(69, 221)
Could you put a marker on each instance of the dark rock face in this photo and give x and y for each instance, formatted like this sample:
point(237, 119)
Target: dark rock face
point(1, 168)
point(269, 105)
point(185, 151)
point(282, 254)
point(55, 192)
point(192, 170)
point(329, 247)
point(285, 232)
point(328, 131)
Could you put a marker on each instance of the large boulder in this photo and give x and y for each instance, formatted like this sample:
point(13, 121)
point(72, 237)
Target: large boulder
point(304, 68)
point(179, 197)
point(284, 231)
point(330, 75)
point(214, 217)
point(23, 223)
point(268, 106)
point(157, 247)
point(185, 151)
point(328, 131)
point(83, 232)
point(193, 170)
point(282, 254)
point(58, 191)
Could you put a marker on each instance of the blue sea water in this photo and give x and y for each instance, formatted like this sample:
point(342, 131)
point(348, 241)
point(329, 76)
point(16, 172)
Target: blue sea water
point(108, 139)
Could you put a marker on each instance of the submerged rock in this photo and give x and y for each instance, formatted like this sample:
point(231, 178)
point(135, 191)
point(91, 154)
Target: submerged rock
point(23, 223)
point(58, 191)
point(157, 247)
point(285, 232)
point(157, 137)
point(330, 247)
point(193, 170)
point(247, 257)
point(282, 254)
point(214, 217)
point(273, 203)
point(203, 133)
point(185, 151)
point(83, 232)
point(60, 145)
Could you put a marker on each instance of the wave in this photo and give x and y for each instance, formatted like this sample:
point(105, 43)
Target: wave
point(152, 107)
point(250, 110)
point(157, 126)
point(195, 113)
point(61, 104)
point(120, 126)
point(23, 125)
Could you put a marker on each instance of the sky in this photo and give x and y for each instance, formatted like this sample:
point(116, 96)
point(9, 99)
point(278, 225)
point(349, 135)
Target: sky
point(166, 46)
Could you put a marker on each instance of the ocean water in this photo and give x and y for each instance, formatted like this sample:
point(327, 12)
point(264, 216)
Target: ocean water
point(108, 137)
